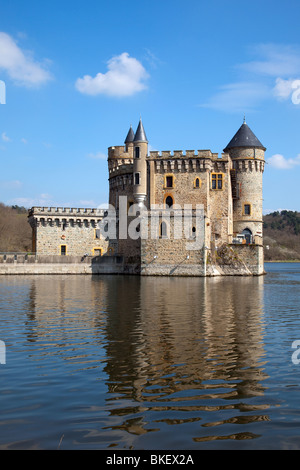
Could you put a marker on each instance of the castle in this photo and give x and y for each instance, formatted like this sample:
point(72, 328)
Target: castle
point(192, 213)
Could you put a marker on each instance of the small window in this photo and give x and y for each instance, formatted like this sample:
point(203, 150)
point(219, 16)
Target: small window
point(97, 234)
point(63, 250)
point(163, 230)
point(169, 181)
point(136, 178)
point(193, 232)
point(247, 209)
point(137, 152)
point(97, 251)
point(217, 181)
point(197, 183)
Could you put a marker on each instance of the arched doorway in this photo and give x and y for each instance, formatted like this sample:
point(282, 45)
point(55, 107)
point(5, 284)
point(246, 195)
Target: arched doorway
point(248, 235)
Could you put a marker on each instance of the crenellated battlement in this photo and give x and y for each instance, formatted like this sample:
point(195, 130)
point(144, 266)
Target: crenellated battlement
point(153, 155)
point(65, 211)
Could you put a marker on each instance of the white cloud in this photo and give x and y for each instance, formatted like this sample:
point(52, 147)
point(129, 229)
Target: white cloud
point(24, 141)
point(20, 65)
point(5, 137)
point(284, 89)
point(281, 163)
point(43, 200)
point(88, 203)
point(238, 97)
point(11, 185)
point(125, 77)
point(97, 156)
point(277, 61)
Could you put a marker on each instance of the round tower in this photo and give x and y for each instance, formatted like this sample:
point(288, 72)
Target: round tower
point(247, 155)
point(140, 151)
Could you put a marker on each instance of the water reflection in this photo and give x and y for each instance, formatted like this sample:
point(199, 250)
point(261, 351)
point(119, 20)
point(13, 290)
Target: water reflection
point(180, 347)
point(159, 362)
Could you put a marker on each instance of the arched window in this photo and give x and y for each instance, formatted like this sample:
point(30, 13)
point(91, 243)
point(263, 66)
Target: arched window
point(197, 183)
point(163, 230)
point(169, 202)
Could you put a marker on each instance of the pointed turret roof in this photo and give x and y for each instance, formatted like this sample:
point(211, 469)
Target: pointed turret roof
point(130, 136)
point(140, 135)
point(244, 138)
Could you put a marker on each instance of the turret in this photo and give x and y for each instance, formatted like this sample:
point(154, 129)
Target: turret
point(140, 151)
point(129, 142)
point(247, 154)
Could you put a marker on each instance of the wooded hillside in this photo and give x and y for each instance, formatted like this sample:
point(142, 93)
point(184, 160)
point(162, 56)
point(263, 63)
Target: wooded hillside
point(282, 236)
point(281, 233)
point(15, 231)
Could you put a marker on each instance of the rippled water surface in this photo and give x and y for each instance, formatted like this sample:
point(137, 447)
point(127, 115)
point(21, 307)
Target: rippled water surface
point(122, 362)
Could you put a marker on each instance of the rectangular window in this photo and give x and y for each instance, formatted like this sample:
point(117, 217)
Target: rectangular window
point(97, 251)
point(247, 209)
point(137, 152)
point(97, 233)
point(169, 181)
point(63, 250)
point(136, 178)
point(217, 181)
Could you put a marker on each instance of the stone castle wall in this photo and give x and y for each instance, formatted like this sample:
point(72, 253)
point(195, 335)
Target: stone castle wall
point(76, 229)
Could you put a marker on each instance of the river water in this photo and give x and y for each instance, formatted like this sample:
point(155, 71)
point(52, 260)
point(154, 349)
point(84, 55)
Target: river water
point(123, 362)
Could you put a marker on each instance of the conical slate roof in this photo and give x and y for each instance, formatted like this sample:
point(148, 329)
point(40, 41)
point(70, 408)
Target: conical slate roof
point(130, 136)
point(244, 138)
point(140, 135)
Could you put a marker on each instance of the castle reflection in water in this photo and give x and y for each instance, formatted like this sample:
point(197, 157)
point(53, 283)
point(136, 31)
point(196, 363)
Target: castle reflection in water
point(175, 347)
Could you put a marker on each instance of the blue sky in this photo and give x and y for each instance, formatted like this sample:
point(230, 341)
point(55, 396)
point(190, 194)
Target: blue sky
point(78, 74)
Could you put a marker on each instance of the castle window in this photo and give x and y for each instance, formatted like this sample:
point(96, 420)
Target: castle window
point(97, 251)
point(247, 209)
point(163, 230)
point(169, 181)
point(63, 250)
point(136, 178)
point(97, 234)
point(217, 181)
point(197, 183)
point(193, 232)
point(137, 152)
point(169, 202)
